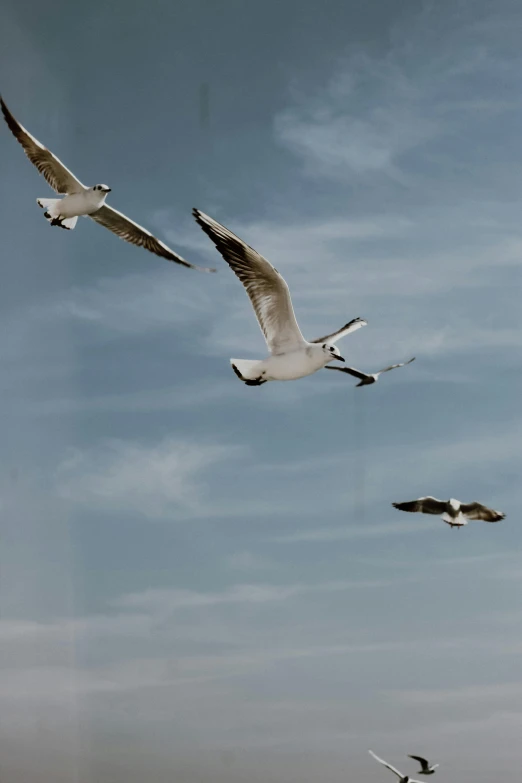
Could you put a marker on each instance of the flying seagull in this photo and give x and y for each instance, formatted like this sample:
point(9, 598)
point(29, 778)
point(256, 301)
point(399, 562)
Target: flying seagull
point(402, 778)
point(453, 512)
point(291, 356)
point(427, 769)
point(81, 200)
point(366, 380)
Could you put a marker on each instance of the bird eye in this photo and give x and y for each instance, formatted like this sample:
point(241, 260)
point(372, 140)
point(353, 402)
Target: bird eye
point(332, 350)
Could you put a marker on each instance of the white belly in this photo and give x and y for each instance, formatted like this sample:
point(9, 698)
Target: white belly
point(79, 204)
point(291, 366)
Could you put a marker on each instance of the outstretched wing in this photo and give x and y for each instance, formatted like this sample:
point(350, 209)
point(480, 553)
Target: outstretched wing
point(132, 232)
point(265, 287)
point(427, 505)
point(351, 326)
point(478, 511)
point(393, 366)
point(385, 763)
point(351, 371)
point(57, 175)
point(423, 762)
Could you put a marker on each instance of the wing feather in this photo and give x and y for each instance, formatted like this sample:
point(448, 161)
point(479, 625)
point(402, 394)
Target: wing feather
point(132, 232)
point(385, 763)
point(265, 287)
point(351, 326)
point(393, 366)
point(478, 511)
point(350, 371)
point(423, 762)
point(56, 174)
point(427, 505)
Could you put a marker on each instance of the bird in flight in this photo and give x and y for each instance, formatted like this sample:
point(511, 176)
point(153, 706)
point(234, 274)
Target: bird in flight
point(291, 356)
point(426, 768)
point(453, 512)
point(402, 778)
point(78, 199)
point(366, 380)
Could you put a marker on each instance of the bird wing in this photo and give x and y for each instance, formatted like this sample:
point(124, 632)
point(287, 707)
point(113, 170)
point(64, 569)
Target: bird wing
point(57, 175)
point(137, 235)
point(351, 371)
point(427, 505)
point(423, 762)
point(385, 763)
point(393, 366)
point(351, 326)
point(478, 511)
point(265, 287)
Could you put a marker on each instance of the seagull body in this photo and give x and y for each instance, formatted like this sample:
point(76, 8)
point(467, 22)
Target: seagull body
point(402, 778)
point(80, 200)
point(453, 512)
point(291, 356)
point(426, 768)
point(365, 379)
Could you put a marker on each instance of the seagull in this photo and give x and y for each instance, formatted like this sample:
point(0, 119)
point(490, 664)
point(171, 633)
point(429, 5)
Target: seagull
point(291, 356)
point(82, 200)
point(402, 778)
point(366, 380)
point(427, 769)
point(453, 512)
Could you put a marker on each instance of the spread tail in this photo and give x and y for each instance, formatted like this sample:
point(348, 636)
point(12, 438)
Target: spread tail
point(246, 369)
point(52, 213)
point(457, 521)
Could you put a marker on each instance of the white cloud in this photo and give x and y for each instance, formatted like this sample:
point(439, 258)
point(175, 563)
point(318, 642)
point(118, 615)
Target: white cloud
point(155, 481)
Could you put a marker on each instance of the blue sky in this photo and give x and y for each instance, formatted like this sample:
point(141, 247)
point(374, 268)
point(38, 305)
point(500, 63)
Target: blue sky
point(203, 581)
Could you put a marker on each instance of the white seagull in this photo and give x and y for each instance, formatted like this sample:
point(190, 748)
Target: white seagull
point(365, 379)
point(426, 768)
point(402, 778)
point(453, 512)
point(81, 200)
point(291, 356)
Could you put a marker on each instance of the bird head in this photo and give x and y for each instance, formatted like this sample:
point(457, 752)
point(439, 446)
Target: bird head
point(102, 189)
point(332, 351)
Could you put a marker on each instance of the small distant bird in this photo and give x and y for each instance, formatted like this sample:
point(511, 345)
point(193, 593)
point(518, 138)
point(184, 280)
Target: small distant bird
point(453, 512)
point(291, 356)
point(402, 778)
point(81, 200)
point(427, 769)
point(366, 380)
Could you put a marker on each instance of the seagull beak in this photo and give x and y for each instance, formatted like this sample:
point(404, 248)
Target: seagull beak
point(339, 358)
point(108, 190)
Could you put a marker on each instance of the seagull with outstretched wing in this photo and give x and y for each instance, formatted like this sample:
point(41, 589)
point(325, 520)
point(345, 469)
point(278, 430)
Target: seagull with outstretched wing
point(453, 512)
point(80, 200)
point(426, 767)
point(291, 356)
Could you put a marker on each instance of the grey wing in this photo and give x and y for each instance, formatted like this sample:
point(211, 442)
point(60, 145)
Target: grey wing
point(393, 366)
point(385, 763)
point(132, 232)
point(478, 511)
point(349, 371)
point(423, 762)
point(427, 505)
point(57, 175)
point(265, 287)
point(351, 326)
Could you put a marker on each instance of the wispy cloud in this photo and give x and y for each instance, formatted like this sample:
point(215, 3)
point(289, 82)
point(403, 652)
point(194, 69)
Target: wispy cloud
point(154, 480)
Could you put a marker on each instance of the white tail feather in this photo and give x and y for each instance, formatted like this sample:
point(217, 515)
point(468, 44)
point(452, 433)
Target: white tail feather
point(52, 212)
point(247, 368)
point(459, 520)
point(50, 205)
